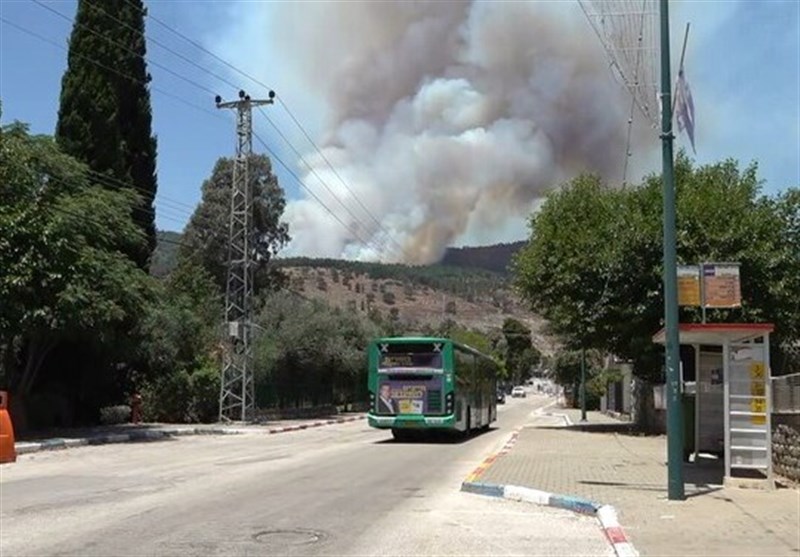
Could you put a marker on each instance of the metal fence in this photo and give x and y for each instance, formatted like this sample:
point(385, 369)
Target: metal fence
point(786, 393)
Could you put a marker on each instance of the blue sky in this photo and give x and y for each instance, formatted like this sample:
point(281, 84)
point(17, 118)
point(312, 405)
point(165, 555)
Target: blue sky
point(743, 64)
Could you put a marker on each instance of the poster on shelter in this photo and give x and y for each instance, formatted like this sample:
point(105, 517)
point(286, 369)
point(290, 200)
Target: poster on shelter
point(689, 285)
point(721, 285)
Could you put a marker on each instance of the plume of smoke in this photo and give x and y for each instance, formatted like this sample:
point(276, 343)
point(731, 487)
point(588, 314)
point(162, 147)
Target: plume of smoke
point(447, 117)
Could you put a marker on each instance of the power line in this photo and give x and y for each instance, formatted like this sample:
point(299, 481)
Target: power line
point(112, 181)
point(63, 181)
point(311, 168)
point(117, 43)
point(98, 176)
point(273, 154)
point(336, 173)
point(197, 45)
point(107, 68)
point(309, 190)
point(288, 111)
point(134, 206)
point(151, 39)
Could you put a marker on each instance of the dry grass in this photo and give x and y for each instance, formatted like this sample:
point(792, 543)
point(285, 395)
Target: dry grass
point(415, 304)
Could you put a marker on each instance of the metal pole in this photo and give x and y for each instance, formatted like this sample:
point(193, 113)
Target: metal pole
point(697, 397)
point(237, 384)
point(675, 487)
point(703, 291)
point(583, 384)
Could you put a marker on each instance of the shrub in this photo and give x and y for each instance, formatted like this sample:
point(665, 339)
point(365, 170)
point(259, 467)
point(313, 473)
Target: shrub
point(112, 415)
point(168, 398)
point(204, 387)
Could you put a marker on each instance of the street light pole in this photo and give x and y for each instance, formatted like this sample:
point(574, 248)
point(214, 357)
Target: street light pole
point(583, 383)
point(675, 486)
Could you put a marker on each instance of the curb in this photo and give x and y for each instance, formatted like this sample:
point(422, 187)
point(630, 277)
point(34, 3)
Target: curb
point(605, 514)
point(314, 424)
point(568, 422)
point(162, 433)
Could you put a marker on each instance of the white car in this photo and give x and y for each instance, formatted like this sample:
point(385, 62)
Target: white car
point(518, 392)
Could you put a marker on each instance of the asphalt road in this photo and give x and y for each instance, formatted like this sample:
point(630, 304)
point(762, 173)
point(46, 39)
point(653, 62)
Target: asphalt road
point(344, 489)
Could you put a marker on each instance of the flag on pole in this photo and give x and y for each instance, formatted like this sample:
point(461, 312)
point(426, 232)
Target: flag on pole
point(684, 107)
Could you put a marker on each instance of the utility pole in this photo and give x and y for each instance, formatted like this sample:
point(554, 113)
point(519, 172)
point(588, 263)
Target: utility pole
point(675, 486)
point(583, 383)
point(237, 386)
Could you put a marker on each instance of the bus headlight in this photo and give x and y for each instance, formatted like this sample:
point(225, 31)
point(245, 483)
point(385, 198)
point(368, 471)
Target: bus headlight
point(448, 403)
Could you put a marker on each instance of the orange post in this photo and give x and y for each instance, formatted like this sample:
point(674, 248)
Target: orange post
point(8, 453)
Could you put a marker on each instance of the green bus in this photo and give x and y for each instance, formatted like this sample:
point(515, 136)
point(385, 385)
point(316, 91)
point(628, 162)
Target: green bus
point(424, 383)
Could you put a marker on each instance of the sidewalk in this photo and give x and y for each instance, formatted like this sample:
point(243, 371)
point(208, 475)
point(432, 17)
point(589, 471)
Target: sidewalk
point(123, 433)
point(608, 464)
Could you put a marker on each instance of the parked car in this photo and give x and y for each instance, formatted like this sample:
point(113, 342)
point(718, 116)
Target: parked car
point(501, 397)
point(518, 391)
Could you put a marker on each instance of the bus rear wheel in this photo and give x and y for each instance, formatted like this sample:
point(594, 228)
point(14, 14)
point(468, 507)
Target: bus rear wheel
point(401, 434)
point(468, 427)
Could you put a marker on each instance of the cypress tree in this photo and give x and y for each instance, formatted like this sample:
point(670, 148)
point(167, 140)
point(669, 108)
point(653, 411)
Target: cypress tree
point(104, 117)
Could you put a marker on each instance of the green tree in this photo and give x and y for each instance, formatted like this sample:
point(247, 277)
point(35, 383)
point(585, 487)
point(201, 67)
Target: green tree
point(181, 328)
point(563, 272)
point(309, 352)
point(567, 372)
point(520, 355)
point(592, 266)
point(104, 116)
point(63, 276)
point(205, 238)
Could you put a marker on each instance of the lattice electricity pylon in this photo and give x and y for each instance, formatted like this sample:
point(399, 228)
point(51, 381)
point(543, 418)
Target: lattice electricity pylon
point(237, 385)
point(628, 30)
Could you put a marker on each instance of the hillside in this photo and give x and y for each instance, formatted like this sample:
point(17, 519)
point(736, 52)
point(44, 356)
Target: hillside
point(470, 286)
point(495, 258)
point(415, 296)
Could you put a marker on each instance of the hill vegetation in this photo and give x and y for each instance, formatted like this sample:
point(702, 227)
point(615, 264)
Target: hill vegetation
point(494, 258)
point(411, 297)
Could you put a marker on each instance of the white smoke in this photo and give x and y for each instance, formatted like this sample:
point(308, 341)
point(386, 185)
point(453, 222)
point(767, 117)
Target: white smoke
point(447, 120)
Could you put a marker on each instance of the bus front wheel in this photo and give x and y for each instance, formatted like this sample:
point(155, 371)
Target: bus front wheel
point(401, 434)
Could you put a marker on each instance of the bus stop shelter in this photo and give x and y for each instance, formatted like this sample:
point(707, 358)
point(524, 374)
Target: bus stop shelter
point(732, 395)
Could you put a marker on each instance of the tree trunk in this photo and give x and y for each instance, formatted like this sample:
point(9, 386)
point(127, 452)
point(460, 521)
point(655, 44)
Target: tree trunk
point(38, 349)
point(21, 387)
point(7, 360)
point(644, 406)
